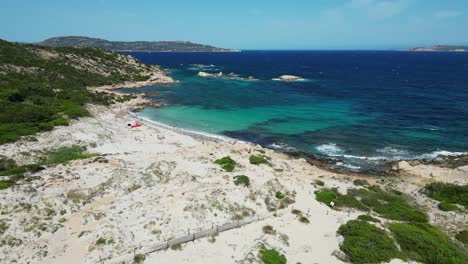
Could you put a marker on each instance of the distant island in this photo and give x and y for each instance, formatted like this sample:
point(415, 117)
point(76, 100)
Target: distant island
point(441, 48)
point(149, 46)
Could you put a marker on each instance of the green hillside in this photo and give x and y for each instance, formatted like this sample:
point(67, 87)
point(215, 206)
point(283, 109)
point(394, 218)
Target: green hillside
point(42, 87)
point(154, 46)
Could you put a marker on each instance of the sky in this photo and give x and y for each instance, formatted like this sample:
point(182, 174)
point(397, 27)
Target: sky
point(244, 24)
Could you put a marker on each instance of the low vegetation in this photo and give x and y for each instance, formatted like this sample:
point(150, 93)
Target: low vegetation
point(388, 205)
point(445, 206)
point(271, 256)
point(462, 236)
point(279, 195)
point(227, 163)
point(242, 180)
point(424, 243)
point(327, 196)
point(368, 218)
point(449, 193)
point(300, 216)
point(319, 183)
point(64, 155)
point(6, 184)
point(373, 198)
point(359, 182)
point(258, 159)
point(366, 243)
point(268, 229)
point(139, 258)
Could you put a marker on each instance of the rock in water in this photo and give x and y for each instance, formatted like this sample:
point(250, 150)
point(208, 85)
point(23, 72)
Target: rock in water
point(290, 78)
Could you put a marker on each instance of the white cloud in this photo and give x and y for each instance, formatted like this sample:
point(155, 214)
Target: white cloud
point(447, 14)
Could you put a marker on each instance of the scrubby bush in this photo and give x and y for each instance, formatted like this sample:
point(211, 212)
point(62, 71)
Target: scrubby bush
point(268, 229)
point(6, 184)
point(65, 154)
point(226, 163)
point(462, 236)
point(359, 182)
point(373, 198)
point(271, 256)
point(366, 243)
point(319, 183)
point(242, 180)
point(139, 258)
point(327, 196)
point(254, 159)
point(447, 192)
point(368, 218)
point(6, 163)
point(424, 243)
point(388, 205)
point(279, 195)
point(445, 206)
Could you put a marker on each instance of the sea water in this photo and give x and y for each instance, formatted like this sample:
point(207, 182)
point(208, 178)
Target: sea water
point(360, 107)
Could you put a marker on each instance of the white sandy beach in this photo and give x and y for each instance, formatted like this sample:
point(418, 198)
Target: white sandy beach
point(151, 184)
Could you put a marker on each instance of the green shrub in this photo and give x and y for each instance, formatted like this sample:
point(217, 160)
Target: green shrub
point(388, 205)
point(359, 182)
point(242, 180)
point(304, 220)
point(226, 163)
point(332, 195)
point(424, 243)
point(65, 154)
point(139, 258)
point(462, 236)
point(366, 243)
point(177, 246)
point(256, 160)
point(3, 227)
point(101, 241)
point(271, 256)
point(279, 195)
point(447, 192)
point(20, 170)
point(6, 184)
point(368, 218)
point(445, 206)
point(326, 196)
point(319, 183)
point(268, 229)
point(6, 163)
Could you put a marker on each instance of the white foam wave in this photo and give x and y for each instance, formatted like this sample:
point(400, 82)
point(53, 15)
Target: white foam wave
point(346, 165)
point(330, 149)
point(277, 146)
point(393, 151)
point(435, 154)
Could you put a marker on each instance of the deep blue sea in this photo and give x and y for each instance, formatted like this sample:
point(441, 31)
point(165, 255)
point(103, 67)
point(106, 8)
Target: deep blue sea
point(360, 107)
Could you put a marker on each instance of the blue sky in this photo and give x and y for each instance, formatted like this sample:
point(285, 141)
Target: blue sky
point(244, 24)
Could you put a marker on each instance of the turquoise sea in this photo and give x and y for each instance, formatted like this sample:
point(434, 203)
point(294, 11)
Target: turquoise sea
point(359, 108)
